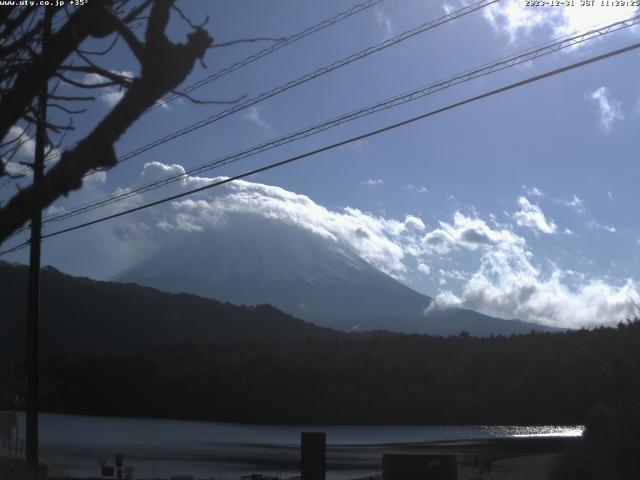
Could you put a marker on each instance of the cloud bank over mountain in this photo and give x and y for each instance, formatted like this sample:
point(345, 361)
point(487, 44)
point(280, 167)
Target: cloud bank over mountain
point(509, 280)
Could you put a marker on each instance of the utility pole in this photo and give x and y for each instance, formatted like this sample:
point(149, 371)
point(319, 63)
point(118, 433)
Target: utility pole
point(33, 309)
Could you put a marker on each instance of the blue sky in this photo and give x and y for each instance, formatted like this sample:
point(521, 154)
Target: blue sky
point(522, 205)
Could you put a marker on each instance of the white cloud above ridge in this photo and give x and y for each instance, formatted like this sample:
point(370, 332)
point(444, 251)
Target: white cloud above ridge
point(510, 286)
point(382, 242)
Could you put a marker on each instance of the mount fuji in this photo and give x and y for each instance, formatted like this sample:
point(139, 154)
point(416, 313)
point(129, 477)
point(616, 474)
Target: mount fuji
point(254, 260)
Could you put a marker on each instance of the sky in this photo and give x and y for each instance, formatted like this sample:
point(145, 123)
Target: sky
point(522, 205)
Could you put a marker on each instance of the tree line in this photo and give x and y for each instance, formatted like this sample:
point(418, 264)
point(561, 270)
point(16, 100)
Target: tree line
point(537, 378)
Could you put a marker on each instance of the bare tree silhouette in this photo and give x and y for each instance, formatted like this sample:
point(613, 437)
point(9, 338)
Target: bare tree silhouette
point(28, 65)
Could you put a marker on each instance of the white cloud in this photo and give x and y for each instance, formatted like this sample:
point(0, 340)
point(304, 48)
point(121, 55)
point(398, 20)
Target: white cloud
point(599, 226)
point(111, 95)
point(372, 182)
point(383, 242)
point(424, 268)
point(156, 170)
point(533, 191)
point(55, 210)
point(453, 274)
point(417, 189)
point(575, 203)
point(14, 168)
point(468, 233)
point(609, 109)
point(414, 223)
point(531, 216)
point(254, 116)
point(509, 285)
point(95, 177)
point(515, 19)
point(27, 145)
point(384, 22)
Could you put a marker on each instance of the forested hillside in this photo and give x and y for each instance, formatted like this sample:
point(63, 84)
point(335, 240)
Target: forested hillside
point(539, 378)
point(84, 316)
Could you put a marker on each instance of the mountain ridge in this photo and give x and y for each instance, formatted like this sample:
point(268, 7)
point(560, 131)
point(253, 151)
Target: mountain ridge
point(306, 275)
point(85, 316)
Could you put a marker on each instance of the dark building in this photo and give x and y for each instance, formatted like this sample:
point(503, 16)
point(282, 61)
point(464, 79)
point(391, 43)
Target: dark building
point(313, 456)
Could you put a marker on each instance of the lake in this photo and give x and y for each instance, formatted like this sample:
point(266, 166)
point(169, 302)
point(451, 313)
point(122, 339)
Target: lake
point(162, 448)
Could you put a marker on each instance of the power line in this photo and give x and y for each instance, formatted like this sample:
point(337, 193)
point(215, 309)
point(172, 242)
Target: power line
point(296, 158)
point(317, 73)
point(308, 77)
point(266, 51)
point(343, 15)
point(413, 95)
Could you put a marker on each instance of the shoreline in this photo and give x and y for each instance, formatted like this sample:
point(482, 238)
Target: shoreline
point(526, 458)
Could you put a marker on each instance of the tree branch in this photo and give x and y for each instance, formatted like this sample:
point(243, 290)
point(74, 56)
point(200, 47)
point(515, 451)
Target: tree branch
point(89, 20)
point(203, 102)
point(115, 78)
point(75, 83)
point(164, 65)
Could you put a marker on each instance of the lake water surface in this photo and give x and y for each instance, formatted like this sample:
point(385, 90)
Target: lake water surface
point(162, 448)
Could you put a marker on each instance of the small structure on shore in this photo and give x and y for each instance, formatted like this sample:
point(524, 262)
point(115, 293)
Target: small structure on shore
point(118, 469)
point(400, 466)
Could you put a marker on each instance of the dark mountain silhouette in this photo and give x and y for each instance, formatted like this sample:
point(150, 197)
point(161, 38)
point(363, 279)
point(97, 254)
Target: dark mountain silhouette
point(309, 276)
point(80, 315)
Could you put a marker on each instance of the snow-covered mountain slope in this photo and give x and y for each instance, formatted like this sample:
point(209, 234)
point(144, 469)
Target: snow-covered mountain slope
point(307, 275)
